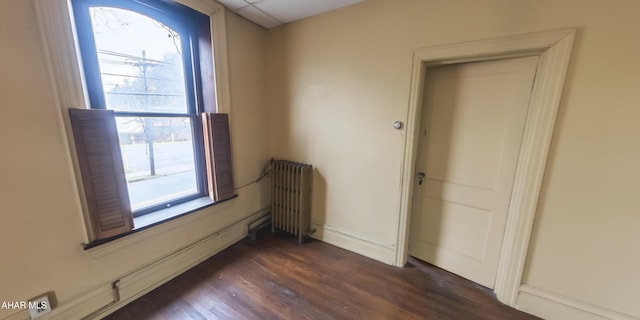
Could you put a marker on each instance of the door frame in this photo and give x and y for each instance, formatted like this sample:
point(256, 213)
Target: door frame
point(553, 50)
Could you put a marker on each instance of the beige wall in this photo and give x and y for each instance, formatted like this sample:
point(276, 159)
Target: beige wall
point(338, 81)
point(41, 226)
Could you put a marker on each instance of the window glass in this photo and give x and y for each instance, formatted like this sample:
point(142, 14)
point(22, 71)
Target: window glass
point(140, 61)
point(157, 154)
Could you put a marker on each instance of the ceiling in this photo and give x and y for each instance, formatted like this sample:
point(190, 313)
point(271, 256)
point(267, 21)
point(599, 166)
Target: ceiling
point(272, 13)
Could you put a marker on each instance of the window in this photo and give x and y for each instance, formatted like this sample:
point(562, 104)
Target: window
point(148, 88)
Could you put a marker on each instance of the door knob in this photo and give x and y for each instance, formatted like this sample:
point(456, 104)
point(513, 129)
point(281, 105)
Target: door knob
point(421, 176)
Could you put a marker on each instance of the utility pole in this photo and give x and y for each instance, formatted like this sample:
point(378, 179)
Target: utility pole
point(147, 124)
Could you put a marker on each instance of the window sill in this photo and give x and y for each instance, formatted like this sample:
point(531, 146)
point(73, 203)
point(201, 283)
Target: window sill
point(157, 218)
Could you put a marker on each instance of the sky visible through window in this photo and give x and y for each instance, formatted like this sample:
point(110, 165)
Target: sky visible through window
point(142, 70)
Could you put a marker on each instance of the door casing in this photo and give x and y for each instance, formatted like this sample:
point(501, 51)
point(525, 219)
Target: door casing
point(553, 50)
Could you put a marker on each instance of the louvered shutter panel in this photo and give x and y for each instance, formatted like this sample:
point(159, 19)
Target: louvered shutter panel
point(105, 186)
point(218, 155)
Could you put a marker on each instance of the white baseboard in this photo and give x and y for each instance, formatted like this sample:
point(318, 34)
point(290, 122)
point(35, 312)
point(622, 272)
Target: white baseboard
point(142, 281)
point(551, 306)
point(382, 252)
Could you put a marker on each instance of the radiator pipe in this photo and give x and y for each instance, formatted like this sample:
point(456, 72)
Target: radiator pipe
point(252, 231)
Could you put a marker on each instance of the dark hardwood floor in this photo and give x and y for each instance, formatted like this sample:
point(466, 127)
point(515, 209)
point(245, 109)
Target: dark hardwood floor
point(275, 278)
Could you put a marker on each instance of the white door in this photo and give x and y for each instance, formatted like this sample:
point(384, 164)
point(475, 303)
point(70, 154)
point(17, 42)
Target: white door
point(473, 120)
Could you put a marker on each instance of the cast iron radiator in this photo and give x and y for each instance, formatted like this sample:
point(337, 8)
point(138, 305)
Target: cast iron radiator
point(291, 198)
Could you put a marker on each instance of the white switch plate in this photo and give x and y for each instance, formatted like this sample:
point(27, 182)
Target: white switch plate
point(39, 306)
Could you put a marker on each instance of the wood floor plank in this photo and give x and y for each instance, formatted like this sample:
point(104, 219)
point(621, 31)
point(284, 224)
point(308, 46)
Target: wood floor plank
point(275, 278)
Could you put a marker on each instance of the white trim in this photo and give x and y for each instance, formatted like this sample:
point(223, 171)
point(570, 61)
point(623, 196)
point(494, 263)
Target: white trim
point(543, 108)
point(66, 81)
point(352, 242)
point(551, 306)
point(554, 50)
point(58, 36)
point(139, 282)
point(221, 61)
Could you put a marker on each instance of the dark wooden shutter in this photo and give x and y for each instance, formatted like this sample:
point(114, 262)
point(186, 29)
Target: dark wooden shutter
point(206, 70)
point(218, 155)
point(105, 186)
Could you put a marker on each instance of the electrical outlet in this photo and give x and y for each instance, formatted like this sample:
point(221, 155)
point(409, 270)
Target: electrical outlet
point(39, 306)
